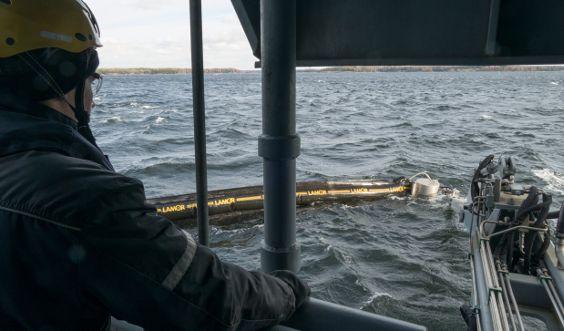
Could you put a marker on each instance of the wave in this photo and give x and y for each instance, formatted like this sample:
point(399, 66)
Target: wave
point(113, 120)
point(554, 180)
point(524, 134)
point(399, 125)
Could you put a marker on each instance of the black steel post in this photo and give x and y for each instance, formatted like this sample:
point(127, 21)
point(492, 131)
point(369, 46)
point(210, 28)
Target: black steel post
point(199, 119)
point(279, 145)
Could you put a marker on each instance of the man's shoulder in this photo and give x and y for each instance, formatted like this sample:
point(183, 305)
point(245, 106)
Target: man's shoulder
point(64, 186)
point(54, 169)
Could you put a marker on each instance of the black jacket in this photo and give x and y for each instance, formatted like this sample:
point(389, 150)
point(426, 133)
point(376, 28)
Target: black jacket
point(78, 243)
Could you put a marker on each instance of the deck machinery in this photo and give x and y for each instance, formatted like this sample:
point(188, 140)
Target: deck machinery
point(517, 270)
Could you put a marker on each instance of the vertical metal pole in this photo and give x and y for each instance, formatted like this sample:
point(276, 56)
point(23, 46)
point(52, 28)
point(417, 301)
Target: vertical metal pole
point(279, 145)
point(199, 119)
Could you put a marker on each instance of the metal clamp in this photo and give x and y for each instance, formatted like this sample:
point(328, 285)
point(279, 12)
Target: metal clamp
point(495, 290)
point(279, 147)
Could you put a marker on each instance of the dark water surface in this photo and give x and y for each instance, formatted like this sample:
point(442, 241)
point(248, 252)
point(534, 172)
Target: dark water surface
point(399, 257)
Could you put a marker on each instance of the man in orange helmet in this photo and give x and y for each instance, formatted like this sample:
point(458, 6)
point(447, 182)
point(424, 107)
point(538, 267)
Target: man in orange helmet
point(78, 242)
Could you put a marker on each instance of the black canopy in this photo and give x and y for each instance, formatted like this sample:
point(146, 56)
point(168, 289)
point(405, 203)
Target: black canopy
point(420, 32)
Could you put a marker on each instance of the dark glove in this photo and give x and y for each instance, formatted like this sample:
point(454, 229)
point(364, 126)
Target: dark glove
point(300, 288)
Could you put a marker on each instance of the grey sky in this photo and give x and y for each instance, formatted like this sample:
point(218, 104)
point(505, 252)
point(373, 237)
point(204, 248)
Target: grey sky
point(140, 33)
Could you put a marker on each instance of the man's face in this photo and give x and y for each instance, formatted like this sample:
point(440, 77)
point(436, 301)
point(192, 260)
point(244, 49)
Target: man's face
point(89, 95)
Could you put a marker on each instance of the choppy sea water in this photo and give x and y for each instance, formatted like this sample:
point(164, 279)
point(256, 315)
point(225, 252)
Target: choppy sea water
point(399, 257)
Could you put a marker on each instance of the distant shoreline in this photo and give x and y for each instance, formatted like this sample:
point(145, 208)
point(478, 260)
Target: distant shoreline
point(443, 68)
point(162, 71)
point(173, 71)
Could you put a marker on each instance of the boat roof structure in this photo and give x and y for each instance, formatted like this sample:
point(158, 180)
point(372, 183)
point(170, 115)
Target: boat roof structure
point(410, 32)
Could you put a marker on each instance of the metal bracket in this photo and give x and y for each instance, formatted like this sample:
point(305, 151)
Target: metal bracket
point(279, 147)
point(494, 289)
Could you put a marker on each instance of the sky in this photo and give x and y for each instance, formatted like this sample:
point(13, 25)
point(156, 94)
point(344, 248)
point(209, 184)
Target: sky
point(141, 33)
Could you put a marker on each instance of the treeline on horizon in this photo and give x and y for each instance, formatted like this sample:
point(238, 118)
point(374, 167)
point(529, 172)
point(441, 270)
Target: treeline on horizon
point(160, 71)
point(444, 68)
point(169, 71)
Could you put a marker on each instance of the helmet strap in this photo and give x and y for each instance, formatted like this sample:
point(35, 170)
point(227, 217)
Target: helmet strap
point(81, 115)
point(32, 62)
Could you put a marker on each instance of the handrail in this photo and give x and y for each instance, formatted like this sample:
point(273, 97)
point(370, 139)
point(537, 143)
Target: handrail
point(524, 227)
point(317, 315)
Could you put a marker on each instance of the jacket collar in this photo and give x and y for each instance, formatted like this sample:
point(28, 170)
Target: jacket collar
point(14, 104)
point(27, 126)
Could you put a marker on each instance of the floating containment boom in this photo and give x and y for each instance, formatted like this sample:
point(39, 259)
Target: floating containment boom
point(232, 204)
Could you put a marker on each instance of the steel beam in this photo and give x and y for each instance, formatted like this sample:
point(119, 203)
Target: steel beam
point(279, 145)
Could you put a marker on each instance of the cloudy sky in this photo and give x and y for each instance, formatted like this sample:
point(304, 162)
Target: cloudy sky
point(141, 33)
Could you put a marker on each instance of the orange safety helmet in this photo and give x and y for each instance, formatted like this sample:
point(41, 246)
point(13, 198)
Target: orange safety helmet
point(27, 25)
point(47, 49)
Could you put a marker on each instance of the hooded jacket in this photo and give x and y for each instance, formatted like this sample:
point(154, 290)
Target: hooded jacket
point(79, 243)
